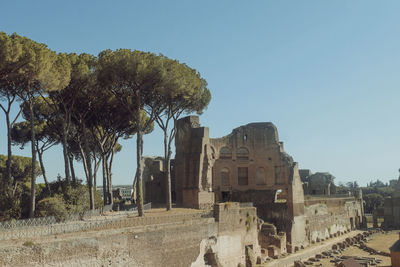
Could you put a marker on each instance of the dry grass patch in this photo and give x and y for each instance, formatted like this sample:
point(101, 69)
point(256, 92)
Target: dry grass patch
point(383, 242)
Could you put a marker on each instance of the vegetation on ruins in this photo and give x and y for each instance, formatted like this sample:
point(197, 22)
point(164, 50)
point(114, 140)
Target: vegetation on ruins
point(86, 104)
point(374, 193)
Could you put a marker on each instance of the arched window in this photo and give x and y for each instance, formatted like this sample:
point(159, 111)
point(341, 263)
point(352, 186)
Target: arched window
point(225, 153)
point(260, 176)
point(242, 153)
point(225, 176)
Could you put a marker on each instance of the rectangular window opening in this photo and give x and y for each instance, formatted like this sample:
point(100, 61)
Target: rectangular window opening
point(243, 178)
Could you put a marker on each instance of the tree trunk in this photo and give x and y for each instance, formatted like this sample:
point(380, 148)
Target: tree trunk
point(33, 169)
point(89, 168)
point(167, 172)
point(65, 152)
point(71, 165)
point(40, 153)
point(9, 152)
point(14, 190)
point(109, 187)
point(85, 167)
point(139, 149)
point(96, 169)
point(109, 183)
point(105, 187)
point(95, 172)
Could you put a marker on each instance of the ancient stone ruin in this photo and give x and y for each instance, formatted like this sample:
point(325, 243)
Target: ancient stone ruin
point(319, 183)
point(249, 165)
point(248, 202)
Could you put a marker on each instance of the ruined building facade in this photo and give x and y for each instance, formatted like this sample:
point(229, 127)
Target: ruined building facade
point(320, 183)
point(250, 165)
point(154, 183)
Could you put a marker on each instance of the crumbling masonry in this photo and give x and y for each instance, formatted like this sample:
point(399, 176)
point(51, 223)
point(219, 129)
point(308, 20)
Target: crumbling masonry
point(250, 165)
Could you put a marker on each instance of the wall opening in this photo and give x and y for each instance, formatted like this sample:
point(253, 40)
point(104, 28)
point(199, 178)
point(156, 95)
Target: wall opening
point(225, 179)
point(260, 176)
point(280, 196)
point(225, 196)
point(210, 259)
point(243, 177)
point(279, 175)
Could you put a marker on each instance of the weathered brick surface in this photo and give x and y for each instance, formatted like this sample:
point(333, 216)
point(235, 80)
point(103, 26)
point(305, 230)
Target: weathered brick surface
point(179, 240)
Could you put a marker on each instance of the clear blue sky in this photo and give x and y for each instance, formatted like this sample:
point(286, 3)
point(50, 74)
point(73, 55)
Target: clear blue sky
point(326, 73)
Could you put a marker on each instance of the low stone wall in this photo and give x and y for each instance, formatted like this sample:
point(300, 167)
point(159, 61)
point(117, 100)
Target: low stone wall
point(229, 239)
point(173, 244)
point(99, 223)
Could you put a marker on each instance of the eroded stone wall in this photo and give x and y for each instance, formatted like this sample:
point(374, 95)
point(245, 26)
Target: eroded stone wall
point(154, 182)
point(326, 217)
point(181, 242)
point(175, 244)
point(237, 231)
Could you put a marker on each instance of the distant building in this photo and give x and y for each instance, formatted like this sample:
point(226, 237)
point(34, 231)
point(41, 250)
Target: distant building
point(120, 191)
point(320, 183)
point(304, 174)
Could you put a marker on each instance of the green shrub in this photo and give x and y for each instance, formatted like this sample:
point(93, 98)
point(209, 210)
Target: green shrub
point(98, 201)
point(52, 206)
point(75, 196)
